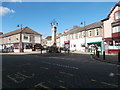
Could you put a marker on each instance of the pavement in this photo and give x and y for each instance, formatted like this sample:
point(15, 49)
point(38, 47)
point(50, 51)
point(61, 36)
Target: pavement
point(109, 58)
point(113, 59)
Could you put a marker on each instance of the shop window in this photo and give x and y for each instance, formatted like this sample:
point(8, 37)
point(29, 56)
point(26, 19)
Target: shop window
point(111, 43)
point(27, 46)
point(82, 45)
point(117, 43)
point(16, 46)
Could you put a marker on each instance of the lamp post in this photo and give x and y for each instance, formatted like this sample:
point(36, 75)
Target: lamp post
point(21, 47)
point(84, 23)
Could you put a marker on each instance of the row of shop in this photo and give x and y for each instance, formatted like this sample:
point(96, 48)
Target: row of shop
point(26, 47)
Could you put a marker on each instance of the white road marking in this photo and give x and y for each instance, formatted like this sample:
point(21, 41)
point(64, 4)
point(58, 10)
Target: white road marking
point(61, 58)
point(60, 65)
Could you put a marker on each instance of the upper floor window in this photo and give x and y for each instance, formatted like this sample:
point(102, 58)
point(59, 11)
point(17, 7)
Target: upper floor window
point(79, 35)
point(96, 32)
point(83, 34)
point(32, 38)
point(16, 38)
point(116, 29)
point(117, 15)
point(74, 36)
point(25, 37)
point(90, 33)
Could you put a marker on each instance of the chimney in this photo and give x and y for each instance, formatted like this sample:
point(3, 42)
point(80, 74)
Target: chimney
point(74, 27)
point(66, 30)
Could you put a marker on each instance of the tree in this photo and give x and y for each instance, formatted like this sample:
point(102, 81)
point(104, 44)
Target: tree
point(48, 37)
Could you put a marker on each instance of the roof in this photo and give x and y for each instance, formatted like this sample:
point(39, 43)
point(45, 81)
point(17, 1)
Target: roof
point(26, 30)
point(117, 4)
point(87, 27)
point(95, 25)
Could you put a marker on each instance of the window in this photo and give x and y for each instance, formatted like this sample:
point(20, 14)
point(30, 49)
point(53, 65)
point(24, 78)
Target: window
point(116, 29)
point(76, 35)
point(90, 33)
point(117, 15)
point(25, 37)
point(83, 34)
point(111, 43)
point(79, 35)
point(117, 43)
point(96, 32)
point(16, 38)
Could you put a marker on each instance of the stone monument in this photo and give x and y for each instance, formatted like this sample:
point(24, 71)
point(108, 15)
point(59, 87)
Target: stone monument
point(54, 25)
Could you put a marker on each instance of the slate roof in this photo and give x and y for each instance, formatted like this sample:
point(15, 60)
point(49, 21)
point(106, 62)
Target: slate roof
point(87, 27)
point(26, 30)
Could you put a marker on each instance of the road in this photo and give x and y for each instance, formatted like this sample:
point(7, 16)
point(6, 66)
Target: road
point(57, 71)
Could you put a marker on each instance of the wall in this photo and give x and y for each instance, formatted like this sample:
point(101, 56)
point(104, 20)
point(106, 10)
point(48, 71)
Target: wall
point(107, 24)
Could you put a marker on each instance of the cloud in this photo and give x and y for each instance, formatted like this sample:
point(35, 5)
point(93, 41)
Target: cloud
point(5, 10)
point(15, 0)
point(11, 0)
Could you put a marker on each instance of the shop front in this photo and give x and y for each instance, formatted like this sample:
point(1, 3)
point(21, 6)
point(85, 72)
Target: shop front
point(93, 46)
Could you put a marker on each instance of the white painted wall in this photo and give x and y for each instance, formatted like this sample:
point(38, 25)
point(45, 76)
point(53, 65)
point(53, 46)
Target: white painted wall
point(107, 24)
point(37, 38)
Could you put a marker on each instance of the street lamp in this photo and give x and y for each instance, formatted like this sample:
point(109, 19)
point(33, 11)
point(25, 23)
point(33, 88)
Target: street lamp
point(84, 23)
point(21, 47)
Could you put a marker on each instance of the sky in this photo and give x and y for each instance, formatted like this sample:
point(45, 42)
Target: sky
point(39, 15)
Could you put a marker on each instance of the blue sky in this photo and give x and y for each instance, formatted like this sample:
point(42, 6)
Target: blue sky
point(38, 15)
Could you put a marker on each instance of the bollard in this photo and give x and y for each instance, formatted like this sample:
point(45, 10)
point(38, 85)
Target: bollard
point(98, 54)
point(119, 57)
point(60, 50)
point(68, 51)
point(103, 55)
point(41, 51)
